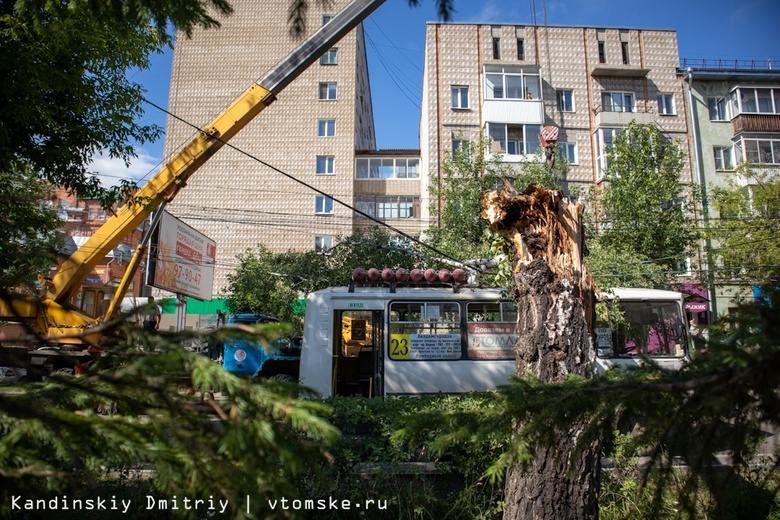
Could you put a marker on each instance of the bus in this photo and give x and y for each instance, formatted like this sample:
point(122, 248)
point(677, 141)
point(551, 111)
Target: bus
point(386, 340)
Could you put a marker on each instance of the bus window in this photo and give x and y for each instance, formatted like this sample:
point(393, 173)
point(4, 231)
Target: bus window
point(424, 330)
point(650, 329)
point(491, 330)
point(355, 332)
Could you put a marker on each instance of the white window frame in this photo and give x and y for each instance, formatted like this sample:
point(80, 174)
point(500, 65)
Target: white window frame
point(323, 205)
point(613, 132)
point(718, 108)
point(683, 267)
point(724, 158)
point(740, 95)
point(325, 165)
point(750, 148)
point(530, 139)
point(326, 128)
point(627, 102)
point(323, 242)
point(460, 97)
point(387, 168)
point(387, 207)
point(569, 152)
point(530, 83)
point(331, 57)
point(666, 104)
point(328, 91)
point(565, 98)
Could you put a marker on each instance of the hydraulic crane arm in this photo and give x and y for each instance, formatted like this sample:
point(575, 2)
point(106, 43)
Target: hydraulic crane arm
point(164, 186)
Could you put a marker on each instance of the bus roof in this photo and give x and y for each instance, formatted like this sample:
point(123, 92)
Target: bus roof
point(625, 293)
point(384, 292)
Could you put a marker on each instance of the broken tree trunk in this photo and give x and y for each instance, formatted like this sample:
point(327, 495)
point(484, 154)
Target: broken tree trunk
point(554, 294)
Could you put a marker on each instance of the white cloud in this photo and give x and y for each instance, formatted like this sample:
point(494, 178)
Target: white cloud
point(111, 171)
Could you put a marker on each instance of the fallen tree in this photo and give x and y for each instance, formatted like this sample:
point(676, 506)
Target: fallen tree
point(555, 298)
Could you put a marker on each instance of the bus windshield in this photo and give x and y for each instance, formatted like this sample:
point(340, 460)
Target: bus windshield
point(648, 328)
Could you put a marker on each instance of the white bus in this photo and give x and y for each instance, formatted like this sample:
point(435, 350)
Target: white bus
point(392, 340)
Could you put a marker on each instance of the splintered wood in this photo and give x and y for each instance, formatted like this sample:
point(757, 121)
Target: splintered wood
point(539, 223)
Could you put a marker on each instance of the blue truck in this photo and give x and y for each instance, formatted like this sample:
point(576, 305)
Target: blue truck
point(280, 361)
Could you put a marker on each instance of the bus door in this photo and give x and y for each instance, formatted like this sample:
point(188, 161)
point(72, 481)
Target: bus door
point(357, 352)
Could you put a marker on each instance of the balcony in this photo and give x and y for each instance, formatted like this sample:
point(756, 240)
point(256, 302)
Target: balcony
point(612, 118)
point(519, 111)
point(763, 123)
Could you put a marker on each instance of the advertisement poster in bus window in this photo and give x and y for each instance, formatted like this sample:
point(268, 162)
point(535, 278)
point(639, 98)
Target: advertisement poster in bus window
point(491, 340)
point(424, 346)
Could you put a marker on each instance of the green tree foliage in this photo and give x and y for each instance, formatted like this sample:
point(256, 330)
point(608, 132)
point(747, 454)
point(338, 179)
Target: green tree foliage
point(745, 232)
point(457, 199)
point(29, 228)
point(138, 409)
point(66, 96)
point(622, 268)
point(643, 209)
point(269, 283)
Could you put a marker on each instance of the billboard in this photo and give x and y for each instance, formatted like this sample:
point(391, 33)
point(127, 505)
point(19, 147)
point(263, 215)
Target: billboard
point(181, 259)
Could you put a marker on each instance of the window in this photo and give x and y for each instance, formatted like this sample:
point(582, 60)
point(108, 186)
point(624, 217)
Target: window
point(565, 100)
point(491, 330)
point(326, 165)
point(460, 97)
point(513, 139)
point(606, 136)
point(624, 52)
point(495, 33)
point(723, 158)
point(326, 18)
point(666, 104)
point(327, 91)
point(520, 49)
point(568, 151)
point(101, 214)
point(717, 108)
point(456, 144)
point(424, 331)
point(758, 150)
point(326, 127)
point(682, 267)
point(600, 36)
point(756, 100)
point(511, 83)
point(323, 205)
point(323, 242)
point(386, 207)
point(617, 102)
point(330, 57)
point(648, 328)
point(387, 168)
point(91, 214)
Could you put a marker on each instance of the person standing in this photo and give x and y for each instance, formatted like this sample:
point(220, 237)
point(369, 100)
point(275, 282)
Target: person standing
point(152, 317)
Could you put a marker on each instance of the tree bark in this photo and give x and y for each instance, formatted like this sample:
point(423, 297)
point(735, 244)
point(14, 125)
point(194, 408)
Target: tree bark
point(555, 298)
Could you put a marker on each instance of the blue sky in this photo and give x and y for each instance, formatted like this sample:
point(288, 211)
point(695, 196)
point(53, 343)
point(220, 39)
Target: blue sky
point(709, 29)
